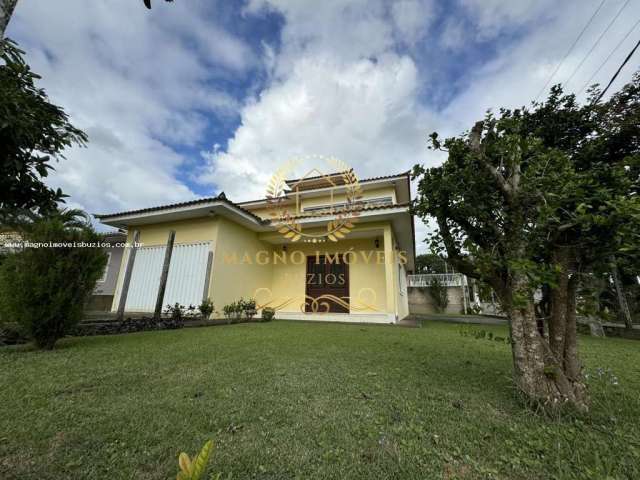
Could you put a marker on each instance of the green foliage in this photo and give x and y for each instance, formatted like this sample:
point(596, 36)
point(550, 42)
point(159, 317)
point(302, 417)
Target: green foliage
point(44, 289)
point(268, 314)
point(33, 132)
point(248, 307)
point(527, 182)
point(236, 310)
point(231, 311)
point(206, 308)
point(438, 293)
point(195, 468)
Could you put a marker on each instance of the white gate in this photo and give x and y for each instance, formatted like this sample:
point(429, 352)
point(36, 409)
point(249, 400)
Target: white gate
point(185, 283)
point(187, 273)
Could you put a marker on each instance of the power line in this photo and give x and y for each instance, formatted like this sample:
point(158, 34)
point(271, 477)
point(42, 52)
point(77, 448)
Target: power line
point(597, 41)
point(570, 50)
point(586, 84)
point(633, 50)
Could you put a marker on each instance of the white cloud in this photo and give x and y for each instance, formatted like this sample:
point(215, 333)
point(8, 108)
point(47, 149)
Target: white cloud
point(363, 112)
point(339, 89)
point(412, 19)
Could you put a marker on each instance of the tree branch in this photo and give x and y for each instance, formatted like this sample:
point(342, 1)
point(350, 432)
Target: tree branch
point(475, 144)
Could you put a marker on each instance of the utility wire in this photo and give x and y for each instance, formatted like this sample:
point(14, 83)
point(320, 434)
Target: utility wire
point(570, 50)
point(633, 50)
point(586, 84)
point(593, 47)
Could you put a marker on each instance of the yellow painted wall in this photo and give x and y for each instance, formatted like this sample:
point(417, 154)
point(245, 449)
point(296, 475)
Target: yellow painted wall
point(236, 272)
point(187, 231)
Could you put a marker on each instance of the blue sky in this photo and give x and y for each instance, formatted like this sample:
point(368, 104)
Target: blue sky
point(194, 97)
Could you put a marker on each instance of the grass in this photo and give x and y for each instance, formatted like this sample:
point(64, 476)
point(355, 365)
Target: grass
point(302, 400)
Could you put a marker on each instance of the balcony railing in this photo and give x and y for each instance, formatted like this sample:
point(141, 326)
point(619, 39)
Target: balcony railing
point(446, 279)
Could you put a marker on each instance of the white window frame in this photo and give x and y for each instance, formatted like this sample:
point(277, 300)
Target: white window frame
point(105, 273)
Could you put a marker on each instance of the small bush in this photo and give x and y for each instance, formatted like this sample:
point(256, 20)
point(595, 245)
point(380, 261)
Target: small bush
point(12, 334)
point(248, 308)
point(44, 289)
point(177, 314)
point(267, 314)
point(232, 311)
point(206, 308)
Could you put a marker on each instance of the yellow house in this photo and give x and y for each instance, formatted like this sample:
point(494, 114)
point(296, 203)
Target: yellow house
point(324, 247)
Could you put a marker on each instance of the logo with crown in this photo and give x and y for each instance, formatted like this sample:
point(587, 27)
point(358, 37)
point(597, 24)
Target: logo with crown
point(289, 212)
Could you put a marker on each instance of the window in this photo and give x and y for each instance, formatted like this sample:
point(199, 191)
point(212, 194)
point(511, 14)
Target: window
point(103, 278)
point(369, 202)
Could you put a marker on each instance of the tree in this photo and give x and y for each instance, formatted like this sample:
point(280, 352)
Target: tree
point(6, 10)
point(534, 198)
point(33, 132)
point(44, 287)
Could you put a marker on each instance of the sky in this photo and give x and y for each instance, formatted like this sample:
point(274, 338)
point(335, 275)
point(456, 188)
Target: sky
point(192, 97)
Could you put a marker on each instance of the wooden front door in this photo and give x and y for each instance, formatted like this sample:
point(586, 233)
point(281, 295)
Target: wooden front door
point(327, 285)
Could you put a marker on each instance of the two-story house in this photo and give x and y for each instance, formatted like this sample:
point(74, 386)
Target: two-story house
point(323, 250)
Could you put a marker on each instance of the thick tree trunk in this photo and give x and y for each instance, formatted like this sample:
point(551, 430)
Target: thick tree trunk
point(542, 377)
point(562, 363)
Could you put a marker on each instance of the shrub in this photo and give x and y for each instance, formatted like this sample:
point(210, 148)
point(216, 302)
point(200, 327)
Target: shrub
point(206, 308)
point(12, 334)
point(241, 308)
point(177, 313)
point(267, 314)
point(438, 292)
point(232, 311)
point(44, 289)
point(248, 308)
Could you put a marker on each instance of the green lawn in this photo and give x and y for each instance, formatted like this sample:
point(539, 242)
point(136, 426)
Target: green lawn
point(301, 400)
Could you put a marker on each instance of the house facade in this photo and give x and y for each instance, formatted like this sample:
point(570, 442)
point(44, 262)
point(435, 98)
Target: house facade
point(317, 252)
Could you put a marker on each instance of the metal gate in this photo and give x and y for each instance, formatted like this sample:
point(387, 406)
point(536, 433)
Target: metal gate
point(185, 283)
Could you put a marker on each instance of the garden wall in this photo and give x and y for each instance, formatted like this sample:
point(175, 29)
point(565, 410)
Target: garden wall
point(421, 303)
